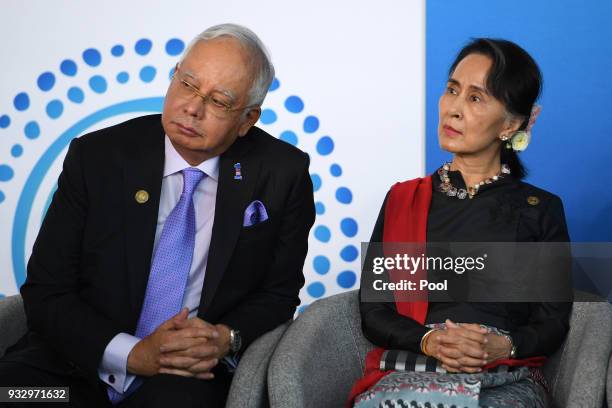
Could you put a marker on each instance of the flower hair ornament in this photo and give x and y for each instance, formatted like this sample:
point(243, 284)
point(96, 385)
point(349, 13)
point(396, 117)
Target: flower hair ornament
point(520, 140)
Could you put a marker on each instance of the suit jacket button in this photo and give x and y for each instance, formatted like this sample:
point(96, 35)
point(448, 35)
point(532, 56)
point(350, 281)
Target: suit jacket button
point(111, 379)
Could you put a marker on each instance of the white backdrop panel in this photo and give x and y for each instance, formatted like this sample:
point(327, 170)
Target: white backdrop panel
point(358, 67)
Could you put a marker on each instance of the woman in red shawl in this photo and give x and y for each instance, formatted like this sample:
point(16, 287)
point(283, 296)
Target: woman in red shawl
point(465, 354)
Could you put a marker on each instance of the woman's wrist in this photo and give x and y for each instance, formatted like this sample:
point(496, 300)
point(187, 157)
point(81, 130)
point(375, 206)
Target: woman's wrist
point(511, 348)
point(425, 341)
point(500, 346)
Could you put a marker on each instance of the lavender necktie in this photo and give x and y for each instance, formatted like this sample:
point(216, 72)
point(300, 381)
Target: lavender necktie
point(169, 268)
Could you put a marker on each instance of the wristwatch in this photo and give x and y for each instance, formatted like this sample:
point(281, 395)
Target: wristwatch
point(235, 341)
point(513, 351)
point(512, 346)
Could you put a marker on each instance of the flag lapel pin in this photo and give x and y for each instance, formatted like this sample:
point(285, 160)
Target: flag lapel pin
point(237, 172)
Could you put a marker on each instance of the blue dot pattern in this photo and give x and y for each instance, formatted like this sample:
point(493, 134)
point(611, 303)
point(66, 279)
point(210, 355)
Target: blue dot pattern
point(55, 108)
point(321, 264)
point(175, 46)
point(45, 81)
point(98, 84)
point(268, 116)
point(316, 289)
point(117, 50)
point(6, 172)
point(294, 104)
point(344, 195)
point(16, 150)
point(21, 101)
point(335, 170)
point(346, 279)
point(320, 208)
point(325, 146)
point(316, 182)
point(75, 94)
point(289, 137)
point(92, 57)
point(32, 130)
point(147, 74)
point(349, 253)
point(68, 67)
point(274, 85)
point(123, 77)
point(143, 46)
point(311, 124)
point(349, 227)
point(322, 233)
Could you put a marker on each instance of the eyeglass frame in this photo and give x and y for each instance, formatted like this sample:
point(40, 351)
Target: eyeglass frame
point(206, 98)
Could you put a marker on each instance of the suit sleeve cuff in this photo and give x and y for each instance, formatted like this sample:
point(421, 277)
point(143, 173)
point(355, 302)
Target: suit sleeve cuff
point(113, 368)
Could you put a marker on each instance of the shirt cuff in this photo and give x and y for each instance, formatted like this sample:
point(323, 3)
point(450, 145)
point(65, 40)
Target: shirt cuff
point(231, 362)
point(113, 368)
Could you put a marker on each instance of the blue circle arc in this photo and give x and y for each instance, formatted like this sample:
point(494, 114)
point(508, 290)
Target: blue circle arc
point(32, 184)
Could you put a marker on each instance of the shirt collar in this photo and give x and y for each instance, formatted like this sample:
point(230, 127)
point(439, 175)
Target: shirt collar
point(173, 163)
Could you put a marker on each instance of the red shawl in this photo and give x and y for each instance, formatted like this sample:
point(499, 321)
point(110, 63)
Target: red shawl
point(406, 214)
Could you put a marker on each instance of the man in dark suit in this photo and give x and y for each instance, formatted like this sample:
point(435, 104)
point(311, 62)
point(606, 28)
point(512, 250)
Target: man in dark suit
point(171, 244)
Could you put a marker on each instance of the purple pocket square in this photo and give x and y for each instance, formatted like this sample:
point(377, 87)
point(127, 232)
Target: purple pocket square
point(254, 214)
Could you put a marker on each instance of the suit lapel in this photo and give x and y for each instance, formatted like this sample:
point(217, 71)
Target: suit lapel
point(143, 171)
point(233, 196)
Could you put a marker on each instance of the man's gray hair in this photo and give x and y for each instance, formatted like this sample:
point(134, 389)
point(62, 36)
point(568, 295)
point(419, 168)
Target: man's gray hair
point(260, 58)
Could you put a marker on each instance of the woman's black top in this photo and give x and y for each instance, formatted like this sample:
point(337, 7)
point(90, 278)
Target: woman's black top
point(503, 211)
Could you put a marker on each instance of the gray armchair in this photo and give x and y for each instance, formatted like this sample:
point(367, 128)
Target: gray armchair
point(322, 354)
point(12, 321)
point(609, 384)
point(249, 386)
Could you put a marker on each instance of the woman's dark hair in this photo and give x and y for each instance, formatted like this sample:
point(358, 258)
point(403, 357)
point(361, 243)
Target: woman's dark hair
point(514, 79)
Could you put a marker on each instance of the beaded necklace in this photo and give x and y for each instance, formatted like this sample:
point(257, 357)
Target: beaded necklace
point(447, 187)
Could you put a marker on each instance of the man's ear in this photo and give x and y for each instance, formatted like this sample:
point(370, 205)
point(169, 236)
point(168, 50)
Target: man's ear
point(251, 117)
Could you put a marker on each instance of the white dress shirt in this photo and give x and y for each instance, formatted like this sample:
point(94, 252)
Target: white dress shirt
point(113, 368)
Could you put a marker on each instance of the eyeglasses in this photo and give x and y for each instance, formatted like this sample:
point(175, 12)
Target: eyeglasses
point(216, 103)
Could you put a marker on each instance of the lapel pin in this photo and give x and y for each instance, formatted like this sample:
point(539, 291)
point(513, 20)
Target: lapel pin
point(237, 172)
point(533, 200)
point(141, 196)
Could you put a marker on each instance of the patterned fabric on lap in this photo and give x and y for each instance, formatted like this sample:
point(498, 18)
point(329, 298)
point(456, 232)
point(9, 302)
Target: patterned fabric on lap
point(515, 388)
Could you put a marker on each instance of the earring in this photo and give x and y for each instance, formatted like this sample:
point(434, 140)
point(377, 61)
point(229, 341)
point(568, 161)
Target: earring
point(507, 144)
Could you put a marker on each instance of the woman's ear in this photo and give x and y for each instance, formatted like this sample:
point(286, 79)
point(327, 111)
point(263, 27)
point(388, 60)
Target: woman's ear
point(513, 123)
